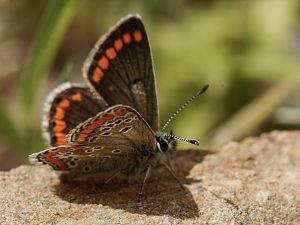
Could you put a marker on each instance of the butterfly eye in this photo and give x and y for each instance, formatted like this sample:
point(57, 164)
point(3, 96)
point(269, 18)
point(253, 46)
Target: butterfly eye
point(162, 144)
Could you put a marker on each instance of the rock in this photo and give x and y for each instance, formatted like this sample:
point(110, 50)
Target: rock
point(256, 181)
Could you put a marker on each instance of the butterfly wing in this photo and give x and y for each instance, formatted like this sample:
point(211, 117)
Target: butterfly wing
point(66, 107)
point(120, 69)
point(117, 125)
point(115, 140)
point(79, 159)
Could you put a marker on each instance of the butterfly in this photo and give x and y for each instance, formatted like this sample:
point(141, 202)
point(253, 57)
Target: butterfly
point(109, 125)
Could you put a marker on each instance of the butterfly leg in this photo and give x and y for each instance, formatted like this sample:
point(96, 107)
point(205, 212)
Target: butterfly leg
point(168, 164)
point(112, 177)
point(144, 180)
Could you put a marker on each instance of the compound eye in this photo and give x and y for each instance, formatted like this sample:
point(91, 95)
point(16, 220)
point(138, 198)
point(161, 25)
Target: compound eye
point(162, 144)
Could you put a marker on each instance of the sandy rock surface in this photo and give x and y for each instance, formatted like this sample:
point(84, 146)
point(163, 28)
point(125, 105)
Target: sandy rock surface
point(256, 181)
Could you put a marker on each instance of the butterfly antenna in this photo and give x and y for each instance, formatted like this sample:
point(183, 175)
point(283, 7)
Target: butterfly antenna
point(203, 89)
point(172, 136)
point(194, 142)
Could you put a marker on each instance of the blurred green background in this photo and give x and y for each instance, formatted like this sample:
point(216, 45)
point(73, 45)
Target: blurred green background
point(248, 51)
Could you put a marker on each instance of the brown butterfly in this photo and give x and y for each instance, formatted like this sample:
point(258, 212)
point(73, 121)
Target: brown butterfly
point(110, 126)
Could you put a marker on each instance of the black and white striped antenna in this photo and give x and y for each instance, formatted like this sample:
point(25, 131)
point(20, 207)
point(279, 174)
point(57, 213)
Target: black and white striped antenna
point(173, 136)
point(202, 90)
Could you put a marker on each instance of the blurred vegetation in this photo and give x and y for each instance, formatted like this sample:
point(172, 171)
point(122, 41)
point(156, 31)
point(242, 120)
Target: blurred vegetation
point(248, 51)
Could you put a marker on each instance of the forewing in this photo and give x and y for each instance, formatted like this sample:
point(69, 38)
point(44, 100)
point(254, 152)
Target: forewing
point(117, 125)
point(120, 69)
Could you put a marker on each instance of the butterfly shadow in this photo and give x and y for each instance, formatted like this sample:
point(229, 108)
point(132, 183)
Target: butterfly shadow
point(162, 194)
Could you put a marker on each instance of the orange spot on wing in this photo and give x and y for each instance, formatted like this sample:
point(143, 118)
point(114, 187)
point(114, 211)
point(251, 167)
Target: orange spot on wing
point(103, 63)
point(89, 129)
point(127, 38)
point(59, 113)
point(137, 36)
point(60, 138)
point(77, 97)
point(97, 75)
point(118, 44)
point(101, 121)
point(60, 135)
point(82, 137)
point(50, 157)
point(121, 112)
point(64, 103)
point(93, 126)
point(111, 53)
point(59, 126)
point(106, 118)
point(61, 141)
point(86, 131)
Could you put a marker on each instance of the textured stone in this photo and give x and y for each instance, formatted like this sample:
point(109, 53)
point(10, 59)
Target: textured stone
point(256, 181)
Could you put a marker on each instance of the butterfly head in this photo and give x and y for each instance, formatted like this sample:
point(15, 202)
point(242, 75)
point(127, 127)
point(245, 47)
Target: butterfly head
point(165, 142)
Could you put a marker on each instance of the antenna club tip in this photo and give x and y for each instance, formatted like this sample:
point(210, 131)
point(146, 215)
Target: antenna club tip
point(194, 142)
point(203, 89)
